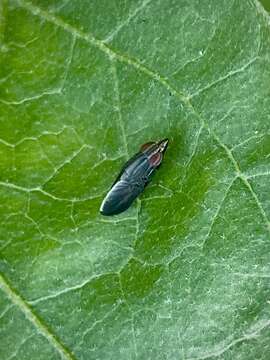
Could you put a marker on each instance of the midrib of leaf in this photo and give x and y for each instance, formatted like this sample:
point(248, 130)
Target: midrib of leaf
point(29, 314)
point(184, 98)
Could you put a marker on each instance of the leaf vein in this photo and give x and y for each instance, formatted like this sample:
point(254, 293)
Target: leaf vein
point(29, 314)
point(245, 337)
point(224, 78)
point(218, 211)
point(130, 17)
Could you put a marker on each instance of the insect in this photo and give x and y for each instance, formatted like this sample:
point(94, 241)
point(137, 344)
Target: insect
point(133, 178)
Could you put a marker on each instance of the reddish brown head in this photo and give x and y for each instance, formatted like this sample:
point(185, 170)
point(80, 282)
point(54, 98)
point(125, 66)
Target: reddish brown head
point(155, 151)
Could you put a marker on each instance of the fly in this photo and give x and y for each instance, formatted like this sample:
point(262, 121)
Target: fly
point(133, 178)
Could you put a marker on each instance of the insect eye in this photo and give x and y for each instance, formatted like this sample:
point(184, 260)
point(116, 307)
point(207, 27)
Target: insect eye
point(146, 146)
point(155, 159)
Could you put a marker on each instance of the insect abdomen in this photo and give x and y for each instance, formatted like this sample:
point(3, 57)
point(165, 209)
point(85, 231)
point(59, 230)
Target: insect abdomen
point(120, 197)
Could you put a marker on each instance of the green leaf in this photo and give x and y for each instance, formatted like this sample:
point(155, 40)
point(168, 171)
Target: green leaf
point(184, 273)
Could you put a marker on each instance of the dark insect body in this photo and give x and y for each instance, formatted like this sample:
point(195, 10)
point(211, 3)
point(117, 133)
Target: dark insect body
point(133, 178)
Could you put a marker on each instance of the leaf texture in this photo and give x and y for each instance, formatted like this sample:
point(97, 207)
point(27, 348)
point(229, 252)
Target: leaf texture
point(184, 273)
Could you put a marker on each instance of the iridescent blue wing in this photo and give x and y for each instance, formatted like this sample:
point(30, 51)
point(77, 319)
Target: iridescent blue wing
point(126, 165)
point(120, 197)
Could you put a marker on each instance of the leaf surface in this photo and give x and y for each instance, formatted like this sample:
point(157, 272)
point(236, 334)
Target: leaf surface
point(184, 273)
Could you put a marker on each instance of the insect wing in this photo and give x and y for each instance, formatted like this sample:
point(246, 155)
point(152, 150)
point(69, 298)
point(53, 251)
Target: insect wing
point(146, 146)
point(120, 197)
point(126, 165)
